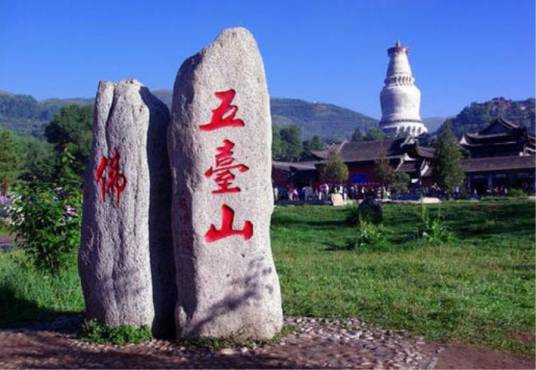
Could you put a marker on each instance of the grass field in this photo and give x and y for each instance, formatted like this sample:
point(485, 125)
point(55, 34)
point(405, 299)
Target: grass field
point(480, 288)
point(3, 230)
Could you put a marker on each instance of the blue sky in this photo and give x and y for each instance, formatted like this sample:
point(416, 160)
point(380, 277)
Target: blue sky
point(331, 51)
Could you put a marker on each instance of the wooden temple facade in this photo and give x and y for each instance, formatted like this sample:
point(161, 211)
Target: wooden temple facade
point(500, 156)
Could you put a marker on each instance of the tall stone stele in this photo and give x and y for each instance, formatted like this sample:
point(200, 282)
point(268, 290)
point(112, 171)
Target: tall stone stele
point(126, 256)
point(219, 145)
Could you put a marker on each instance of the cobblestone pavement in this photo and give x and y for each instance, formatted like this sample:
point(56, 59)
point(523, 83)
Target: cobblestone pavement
point(316, 343)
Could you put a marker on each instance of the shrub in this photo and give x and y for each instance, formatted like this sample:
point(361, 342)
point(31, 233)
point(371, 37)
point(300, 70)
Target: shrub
point(95, 332)
point(371, 236)
point(433, 231)
point(5, 206)
point(517, 193)
point(46, 222)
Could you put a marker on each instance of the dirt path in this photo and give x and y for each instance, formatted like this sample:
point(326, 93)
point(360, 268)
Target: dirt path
point(461, 356)
point(347, 343)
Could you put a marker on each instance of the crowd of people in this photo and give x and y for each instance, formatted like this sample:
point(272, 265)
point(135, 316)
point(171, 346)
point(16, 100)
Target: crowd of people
point(322, 192)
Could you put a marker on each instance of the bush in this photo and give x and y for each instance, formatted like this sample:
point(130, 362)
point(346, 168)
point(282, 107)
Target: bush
point(94, 332)
point(371, 236)
point(517, 193)
point(46, 222)
point(5, 207)
point(433, 231)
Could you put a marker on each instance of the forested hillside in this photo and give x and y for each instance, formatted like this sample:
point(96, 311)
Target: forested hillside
point(476, 116)
point(25, 115)
point(327, 121)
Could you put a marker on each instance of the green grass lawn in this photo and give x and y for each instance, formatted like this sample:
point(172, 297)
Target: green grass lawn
point(478, 289)
point(3, 230)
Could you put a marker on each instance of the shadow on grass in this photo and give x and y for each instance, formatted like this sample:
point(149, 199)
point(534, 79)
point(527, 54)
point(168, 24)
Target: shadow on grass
point(283, 221)
point(347, 245)
point(472, 230)
point(15, 311)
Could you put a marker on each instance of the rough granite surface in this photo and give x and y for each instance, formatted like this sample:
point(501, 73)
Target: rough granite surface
point(229, 287)
point(126, 256)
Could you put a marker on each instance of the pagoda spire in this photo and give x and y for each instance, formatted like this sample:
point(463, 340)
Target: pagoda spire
point(400, 99)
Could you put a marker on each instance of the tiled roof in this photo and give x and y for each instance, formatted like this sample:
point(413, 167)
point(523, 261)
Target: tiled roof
point(371, 150)
point(499, 163)
point(294, 166)
point(409, 166)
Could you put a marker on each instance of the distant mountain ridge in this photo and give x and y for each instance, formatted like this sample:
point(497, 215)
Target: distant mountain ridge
point(25, 115)
point(319, 119)
point(324, 120)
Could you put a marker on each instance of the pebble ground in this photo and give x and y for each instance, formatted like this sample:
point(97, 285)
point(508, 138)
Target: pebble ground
point(314, 343)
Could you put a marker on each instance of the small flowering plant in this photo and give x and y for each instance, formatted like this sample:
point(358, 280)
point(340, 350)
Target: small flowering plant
point(6, 204)
point(46, 222)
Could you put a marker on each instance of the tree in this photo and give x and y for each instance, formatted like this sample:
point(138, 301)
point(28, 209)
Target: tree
point(291, 146)
point(447, 164)
point(335, 170)
point(316, 144)
point(71, 129)
point(357, 135)
point(383, 169)
point(277, 145)
point(309, 145)
point(40, 161)
point(400, 182)
point(9, 158)
point(375, 134)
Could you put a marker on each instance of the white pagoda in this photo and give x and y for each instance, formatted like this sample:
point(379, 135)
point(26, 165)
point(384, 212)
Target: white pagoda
point(400, 99)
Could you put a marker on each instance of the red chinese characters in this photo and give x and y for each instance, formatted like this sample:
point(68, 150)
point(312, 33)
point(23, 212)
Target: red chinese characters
point(224, 115)
point(223, 170)
point(226, 230)
point(110, 178)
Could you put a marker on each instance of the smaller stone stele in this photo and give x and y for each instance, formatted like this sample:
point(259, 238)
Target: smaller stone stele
point(370, 210)
point(337, 200)
point(126, 256)
point(220, 155)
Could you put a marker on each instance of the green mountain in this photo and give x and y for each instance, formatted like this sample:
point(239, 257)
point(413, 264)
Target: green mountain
point(26, 115)
point(327, 121)
point(476, 116)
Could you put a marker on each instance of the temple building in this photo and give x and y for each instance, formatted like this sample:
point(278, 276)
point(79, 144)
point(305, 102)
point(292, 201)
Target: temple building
point(501, 155)
point(404, 154)
point(400, 99)
point(501, 138)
